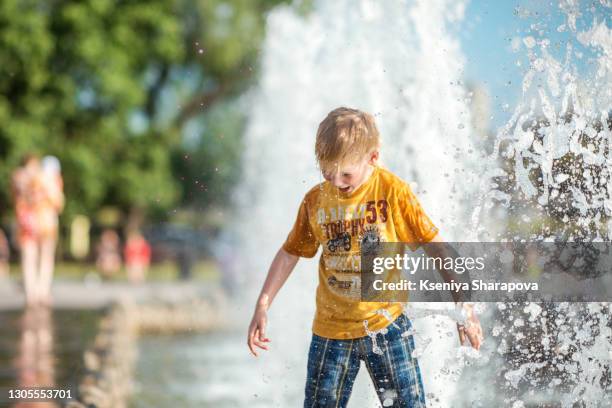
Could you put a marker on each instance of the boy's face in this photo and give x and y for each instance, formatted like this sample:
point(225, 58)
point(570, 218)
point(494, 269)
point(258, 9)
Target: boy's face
point(347, 178)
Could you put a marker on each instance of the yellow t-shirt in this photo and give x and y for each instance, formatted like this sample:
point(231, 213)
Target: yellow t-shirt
point(383, 208)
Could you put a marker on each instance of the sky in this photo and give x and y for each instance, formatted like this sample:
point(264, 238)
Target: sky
point(492, 39)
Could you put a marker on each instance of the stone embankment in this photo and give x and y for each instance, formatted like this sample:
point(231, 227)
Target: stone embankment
point(109, 362)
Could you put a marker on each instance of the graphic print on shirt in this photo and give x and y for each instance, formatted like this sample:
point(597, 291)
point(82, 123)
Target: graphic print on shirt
point(364, 222)
point(343, 240)
point(351, 219)
point(370, 240)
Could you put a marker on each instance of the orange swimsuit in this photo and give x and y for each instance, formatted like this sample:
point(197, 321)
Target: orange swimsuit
point(37, 203)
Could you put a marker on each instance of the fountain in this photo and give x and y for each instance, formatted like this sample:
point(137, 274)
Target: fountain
point(400, 61)
point(548, 179)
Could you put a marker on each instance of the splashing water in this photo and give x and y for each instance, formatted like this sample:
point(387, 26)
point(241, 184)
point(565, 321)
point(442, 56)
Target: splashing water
point(373, 333)
point(548, 178)
point(373, 336)
point(400, 61)
point(553, 155)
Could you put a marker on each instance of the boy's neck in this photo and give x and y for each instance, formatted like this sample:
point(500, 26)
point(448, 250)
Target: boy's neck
point(369, 172)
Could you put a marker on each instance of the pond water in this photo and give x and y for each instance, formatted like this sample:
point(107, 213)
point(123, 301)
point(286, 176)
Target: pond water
point(43, 348)
point(216, 370)
point(203, 370)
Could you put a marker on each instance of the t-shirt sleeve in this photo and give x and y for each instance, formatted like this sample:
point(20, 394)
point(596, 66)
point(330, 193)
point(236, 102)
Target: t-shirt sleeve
point(301, 241)
point(415, 227)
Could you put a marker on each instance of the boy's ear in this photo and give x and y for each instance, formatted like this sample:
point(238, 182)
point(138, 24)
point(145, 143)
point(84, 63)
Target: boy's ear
point(373, 157)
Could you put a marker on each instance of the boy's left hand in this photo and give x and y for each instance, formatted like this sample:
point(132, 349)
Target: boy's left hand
point(471, 329)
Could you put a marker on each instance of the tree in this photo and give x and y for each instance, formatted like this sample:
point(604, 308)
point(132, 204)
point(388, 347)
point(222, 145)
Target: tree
point(108, 86)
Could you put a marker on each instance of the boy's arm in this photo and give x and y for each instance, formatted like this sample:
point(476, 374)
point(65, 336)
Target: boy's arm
point(279, 271)
point(472, 330)
point(438, 248)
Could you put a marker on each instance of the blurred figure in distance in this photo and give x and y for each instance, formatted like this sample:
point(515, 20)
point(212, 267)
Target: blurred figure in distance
point(5, 254)
point(39, 198)
point(108, 259)
point(137, 253)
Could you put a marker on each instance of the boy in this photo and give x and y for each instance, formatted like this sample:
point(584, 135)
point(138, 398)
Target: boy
point(358, 203)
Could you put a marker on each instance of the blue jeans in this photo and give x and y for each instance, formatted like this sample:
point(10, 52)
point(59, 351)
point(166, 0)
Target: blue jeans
point(333, 366)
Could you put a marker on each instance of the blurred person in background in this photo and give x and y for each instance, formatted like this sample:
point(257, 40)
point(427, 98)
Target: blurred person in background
point(137, 253)
point(5, 254)
point(39, 198)
point(108, 259)
point(49, 221)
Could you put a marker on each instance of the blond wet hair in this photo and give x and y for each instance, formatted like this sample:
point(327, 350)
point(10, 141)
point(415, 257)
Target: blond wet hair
point(344, 137)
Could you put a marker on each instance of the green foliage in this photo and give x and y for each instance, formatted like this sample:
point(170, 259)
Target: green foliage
point(226, 34)
point(71, 75)
point(110, 87)
point(211, 162)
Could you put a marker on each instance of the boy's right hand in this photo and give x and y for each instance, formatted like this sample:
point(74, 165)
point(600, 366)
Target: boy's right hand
point(257, 330)
point(471, 330)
